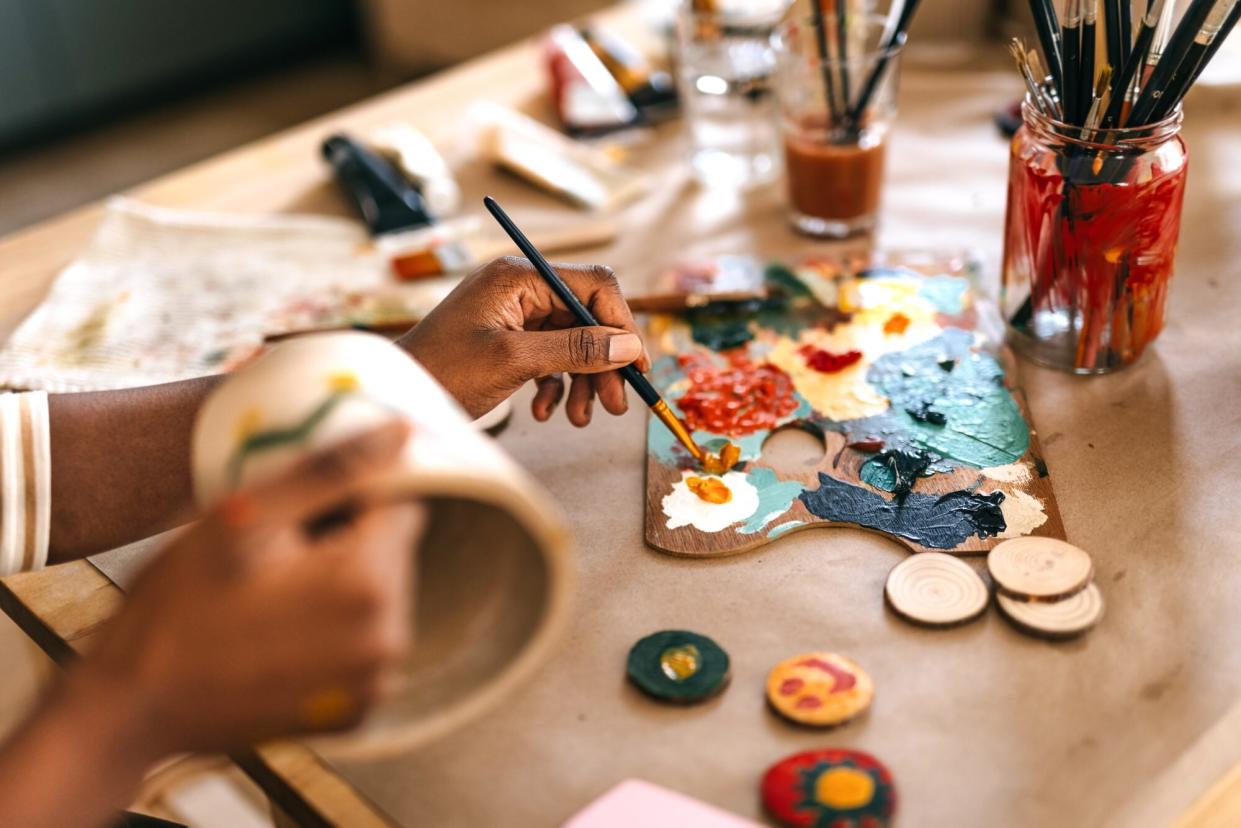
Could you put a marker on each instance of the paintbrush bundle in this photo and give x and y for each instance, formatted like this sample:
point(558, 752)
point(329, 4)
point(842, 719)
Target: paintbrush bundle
point(1133, 79)
point(838, 30)
point(1097, 177)
point(887, 367)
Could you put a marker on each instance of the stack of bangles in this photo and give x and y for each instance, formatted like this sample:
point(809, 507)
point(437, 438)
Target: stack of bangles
point(25, 482)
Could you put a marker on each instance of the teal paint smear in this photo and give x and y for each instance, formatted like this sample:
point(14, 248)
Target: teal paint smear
point(785, 278)
point(876, 474)
point(983, 426)
point(261, 441)
point(775, 497)
point(945, 293)
point(785, 528)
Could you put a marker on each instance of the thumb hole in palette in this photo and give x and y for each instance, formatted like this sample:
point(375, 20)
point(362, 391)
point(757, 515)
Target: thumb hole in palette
point(794, 449)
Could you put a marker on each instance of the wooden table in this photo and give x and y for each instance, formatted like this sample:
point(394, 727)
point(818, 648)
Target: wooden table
point(981, 726)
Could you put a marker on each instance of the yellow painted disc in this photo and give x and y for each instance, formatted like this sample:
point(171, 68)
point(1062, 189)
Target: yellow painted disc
point(1039, 569)
point(819, 689)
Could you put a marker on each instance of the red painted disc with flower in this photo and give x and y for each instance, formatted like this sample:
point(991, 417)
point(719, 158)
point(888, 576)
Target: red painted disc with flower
point(830, 788)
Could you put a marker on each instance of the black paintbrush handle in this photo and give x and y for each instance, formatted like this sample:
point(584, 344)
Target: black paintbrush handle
point(896, 38)
point(631, 374)
point(1048, 29)
point(1178, 47)
point(1122, 82)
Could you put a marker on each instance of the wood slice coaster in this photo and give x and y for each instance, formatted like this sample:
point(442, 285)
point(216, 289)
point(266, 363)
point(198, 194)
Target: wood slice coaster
point(1060, 619)
point(1039, 569)
point(837, 788)
point(678, 666)
point(819, 689)
point(936, 590)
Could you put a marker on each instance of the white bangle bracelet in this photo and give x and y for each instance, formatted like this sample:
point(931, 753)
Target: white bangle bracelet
point(25, 482)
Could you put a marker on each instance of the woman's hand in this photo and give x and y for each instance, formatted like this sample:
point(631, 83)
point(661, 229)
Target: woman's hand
point(266, 618)
point(503, 326)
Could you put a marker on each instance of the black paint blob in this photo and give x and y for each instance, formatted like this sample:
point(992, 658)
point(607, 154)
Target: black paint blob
point(936, 521)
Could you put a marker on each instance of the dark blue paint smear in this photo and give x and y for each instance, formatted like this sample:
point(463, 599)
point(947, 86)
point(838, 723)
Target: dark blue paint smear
point(936, 521)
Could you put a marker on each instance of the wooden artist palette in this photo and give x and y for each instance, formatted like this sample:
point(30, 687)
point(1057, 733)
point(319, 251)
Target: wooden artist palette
point(887, 369)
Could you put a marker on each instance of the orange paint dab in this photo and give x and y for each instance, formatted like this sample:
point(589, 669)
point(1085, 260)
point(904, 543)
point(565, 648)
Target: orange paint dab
point(896, 324)
point(710, 489)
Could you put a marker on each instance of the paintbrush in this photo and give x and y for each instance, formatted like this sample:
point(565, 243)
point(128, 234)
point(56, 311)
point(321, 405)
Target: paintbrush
point(893, 37)
point(1195, 59)
point(842, 47)
point(1038, 96)
point(825, 62)
point(710, 462)
point(1179, 45)
point(1227, 27)
point(1040, 73)
point(1112, 12)
point(1122, 82)
point(1089, 17)
point(1071, 41)
point(1049, 38)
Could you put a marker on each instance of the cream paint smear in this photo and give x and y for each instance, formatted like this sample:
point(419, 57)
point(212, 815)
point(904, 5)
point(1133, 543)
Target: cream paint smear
point(845, 394)
point(684, 508)
point(1023, 513)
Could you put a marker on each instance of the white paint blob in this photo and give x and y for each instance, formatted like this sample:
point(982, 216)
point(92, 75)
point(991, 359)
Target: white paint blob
point(1023, 513)
point(684, 508)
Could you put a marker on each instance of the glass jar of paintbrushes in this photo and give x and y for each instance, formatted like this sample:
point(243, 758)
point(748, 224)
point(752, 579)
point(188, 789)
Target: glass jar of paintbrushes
point(836, 77)
point(1097, 176)
point(1091, 232)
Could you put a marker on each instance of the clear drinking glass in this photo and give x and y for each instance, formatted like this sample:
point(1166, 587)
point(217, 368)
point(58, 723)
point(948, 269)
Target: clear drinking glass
point(724, 66)
point(835, 119)
point(1090, 237)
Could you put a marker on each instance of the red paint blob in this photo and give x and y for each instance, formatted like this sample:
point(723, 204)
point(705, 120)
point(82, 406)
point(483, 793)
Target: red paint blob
point(737, 398)
point(790, 686)
point(842, 680)
point(809, 703)
point(826, 362)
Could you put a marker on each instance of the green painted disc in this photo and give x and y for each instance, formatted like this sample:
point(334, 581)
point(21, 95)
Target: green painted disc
point(678, 666)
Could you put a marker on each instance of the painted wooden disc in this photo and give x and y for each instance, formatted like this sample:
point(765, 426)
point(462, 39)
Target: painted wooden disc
point(836, 788)
point(678, 666)
point(936, 589)
point(1039, 569)
point(819, 689)
point(1058, 619)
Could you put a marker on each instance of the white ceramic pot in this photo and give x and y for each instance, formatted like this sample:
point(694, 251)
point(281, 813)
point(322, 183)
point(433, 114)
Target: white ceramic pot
point(494, 569)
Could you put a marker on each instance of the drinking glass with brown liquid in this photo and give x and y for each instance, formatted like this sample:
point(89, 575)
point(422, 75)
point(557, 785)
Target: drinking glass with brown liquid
point(836, 88)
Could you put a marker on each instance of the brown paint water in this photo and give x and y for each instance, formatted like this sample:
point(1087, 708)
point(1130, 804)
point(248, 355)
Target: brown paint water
point(833, 181)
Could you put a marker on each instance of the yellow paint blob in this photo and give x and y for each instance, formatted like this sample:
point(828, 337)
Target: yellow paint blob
point(722, 462)
point(249, 422)
point(844, 788)
point(679, 663)
point(843, 395)
point(710, 489)
point(343, 381)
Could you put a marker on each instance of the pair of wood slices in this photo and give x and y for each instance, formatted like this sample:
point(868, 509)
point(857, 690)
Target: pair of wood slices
point(1043, 586)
